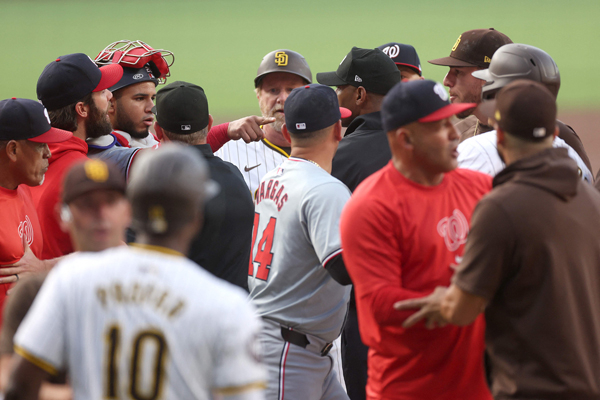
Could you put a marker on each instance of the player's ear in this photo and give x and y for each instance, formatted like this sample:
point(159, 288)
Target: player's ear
point(405, 138)
point(286, 134)
point(337, 131)
point(361, 95)
point(210, 122)
point(11, 150)
point(556, 131)
point(81, 109)
point(112, 106)
point(159, 132)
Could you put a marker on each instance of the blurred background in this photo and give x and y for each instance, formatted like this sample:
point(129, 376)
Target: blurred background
point(219, 44)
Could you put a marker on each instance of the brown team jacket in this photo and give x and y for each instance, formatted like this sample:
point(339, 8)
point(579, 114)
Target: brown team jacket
point(533, 252)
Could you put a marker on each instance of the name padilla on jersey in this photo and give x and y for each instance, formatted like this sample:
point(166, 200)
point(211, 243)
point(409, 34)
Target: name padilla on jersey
point(273, 192)
point(140, 294)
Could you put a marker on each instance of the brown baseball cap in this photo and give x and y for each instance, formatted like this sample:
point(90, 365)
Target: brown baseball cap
point(474, 48)
point(91, 175)
point(523, 108)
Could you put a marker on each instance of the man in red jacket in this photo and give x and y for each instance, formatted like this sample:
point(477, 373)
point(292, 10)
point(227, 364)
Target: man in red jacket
point(402, 231)
point(74, 90)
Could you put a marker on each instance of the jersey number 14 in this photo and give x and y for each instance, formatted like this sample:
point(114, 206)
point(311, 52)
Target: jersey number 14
point(264, 256)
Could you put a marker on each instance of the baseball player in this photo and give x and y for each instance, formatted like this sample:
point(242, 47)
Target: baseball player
point(511, 62)
point(278, 74)
point(96, 212)
point(131, 322)
point(25, 132)
point(472, 51)
point(402, 231)
point(296, 269)
point(406, 59)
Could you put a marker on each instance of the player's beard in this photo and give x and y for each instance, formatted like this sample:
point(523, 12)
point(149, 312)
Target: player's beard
point(125, 124)
point(97, 124)
point(279, 116)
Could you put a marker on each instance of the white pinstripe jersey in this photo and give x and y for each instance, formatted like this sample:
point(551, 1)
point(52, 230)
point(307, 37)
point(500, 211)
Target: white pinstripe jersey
point(479, 153)
point(134, 323)
point(253, 159)
point(296, 232)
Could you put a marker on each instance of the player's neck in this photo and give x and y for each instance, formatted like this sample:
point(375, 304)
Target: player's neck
point(275, 137)
point(171, 242)
point(418, 174)
point(322, 157)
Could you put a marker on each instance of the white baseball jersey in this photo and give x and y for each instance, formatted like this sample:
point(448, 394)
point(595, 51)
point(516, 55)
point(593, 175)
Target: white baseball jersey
point(134, 323)
point(481, 154)
point(296, 232)
point(253, 159)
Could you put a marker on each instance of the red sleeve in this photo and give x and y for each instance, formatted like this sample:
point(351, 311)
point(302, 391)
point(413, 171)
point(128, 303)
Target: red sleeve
point(217, 136)
point(372, 254)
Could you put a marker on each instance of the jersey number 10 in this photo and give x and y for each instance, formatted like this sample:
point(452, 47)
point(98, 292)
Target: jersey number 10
point(264, 256)
point(141, 340)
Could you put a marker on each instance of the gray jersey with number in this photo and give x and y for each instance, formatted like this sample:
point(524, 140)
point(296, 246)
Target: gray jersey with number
point(296, 233)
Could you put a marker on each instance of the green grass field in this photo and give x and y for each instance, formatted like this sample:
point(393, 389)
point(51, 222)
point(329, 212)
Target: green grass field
point(219, 44)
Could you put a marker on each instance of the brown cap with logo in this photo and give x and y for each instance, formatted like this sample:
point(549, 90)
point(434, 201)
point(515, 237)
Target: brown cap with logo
point(523, 108)
point(474, 48)
point(91, 175)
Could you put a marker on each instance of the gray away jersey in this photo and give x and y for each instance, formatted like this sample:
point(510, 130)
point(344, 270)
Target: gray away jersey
point(296, 232)
point(134, 323)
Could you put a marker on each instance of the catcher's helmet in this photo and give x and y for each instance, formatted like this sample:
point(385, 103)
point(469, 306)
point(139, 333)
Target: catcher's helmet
point(283, 61)
point(140, 62)
point(518, 61)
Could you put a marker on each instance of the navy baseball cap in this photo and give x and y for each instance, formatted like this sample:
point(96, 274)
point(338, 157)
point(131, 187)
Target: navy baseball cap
point(311, 108)
point(181, 107)
point(369, 68)
point(70, 78)
point(418, 101)
point(403, 54)
point(132, 76)
point(24, 119)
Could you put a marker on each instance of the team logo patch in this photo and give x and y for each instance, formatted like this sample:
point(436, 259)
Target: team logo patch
point(487, 59)
point(46, 115)
point(440, 91)
point(454, 229)
point(301, 125)
point(357, 78)
point(149, 71)
point(96, 170)
point(138, 76)
point(281, 59)
point(392, 51)
point(186, 127)
point(539, 132)
point(456, 44)
point(26, 230)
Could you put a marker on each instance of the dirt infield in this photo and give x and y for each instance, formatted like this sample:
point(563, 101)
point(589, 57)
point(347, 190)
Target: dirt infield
point(587, 125)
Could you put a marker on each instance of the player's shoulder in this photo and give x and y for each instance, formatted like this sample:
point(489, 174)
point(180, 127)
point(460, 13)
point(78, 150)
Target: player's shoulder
point(484, 142)
point(471, 180)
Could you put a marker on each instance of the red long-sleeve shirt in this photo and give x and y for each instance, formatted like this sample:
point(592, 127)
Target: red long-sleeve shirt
point(400, 241)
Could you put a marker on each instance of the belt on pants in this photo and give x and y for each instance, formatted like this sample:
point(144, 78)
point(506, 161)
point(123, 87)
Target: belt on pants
point(300, 339)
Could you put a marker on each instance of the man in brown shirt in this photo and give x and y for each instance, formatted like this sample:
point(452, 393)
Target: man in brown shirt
point(532, 261)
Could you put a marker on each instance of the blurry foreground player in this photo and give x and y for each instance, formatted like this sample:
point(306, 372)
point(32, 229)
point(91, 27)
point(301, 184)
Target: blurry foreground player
point(96, 212)
point(402, 231)
point(131, 322)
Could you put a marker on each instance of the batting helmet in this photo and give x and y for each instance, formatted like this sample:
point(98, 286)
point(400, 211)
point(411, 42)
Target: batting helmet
point(518, 61)
point(167, 186)
point(283, 61)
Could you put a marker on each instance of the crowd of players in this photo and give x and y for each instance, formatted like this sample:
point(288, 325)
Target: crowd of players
point(385, 237)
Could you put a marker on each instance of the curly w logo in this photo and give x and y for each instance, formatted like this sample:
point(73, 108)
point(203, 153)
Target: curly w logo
point(454, 229)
